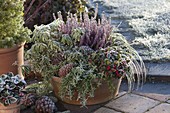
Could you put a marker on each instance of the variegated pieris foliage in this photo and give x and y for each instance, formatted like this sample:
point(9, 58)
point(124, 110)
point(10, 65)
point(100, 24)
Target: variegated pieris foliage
point(10, 88)
point(84, 52)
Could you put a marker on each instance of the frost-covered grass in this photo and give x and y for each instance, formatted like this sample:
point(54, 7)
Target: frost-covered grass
point(154, 47)
point(150, 19)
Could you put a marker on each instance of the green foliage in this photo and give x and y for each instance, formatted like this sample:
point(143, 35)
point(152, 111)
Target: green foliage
point(12, 31)
point(40, 88)
point(43, 50)
point(69, 6)
point(10, 88)
point(84, 75)
point(39, 12)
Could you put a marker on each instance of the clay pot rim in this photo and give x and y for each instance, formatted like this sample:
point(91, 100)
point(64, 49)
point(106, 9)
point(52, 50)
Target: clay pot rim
point(58, 79)
point(11, 106)
point(7, 50)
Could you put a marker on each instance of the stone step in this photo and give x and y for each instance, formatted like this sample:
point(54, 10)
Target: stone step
point(158, 69)
point(158, 72)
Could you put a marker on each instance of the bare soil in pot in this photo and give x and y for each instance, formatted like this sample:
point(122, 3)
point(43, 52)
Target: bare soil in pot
point(102, 94)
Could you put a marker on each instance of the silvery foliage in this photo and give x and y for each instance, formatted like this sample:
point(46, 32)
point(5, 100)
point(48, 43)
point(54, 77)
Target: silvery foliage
point(10, 88)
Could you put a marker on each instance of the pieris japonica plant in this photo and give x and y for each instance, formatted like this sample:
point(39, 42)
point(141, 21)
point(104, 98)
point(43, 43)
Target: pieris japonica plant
point(83, 52)
point(10, 88)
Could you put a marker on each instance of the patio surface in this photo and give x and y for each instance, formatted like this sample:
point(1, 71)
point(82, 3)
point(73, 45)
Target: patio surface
point(137, 103)
point(154, 97)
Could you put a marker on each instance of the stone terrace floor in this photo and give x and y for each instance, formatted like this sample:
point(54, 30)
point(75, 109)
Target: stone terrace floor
point(137, 103)
point(154, 97)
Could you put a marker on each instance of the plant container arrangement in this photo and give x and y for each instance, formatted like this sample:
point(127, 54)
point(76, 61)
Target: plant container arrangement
point(12, 36)
point(10, 90)
point(84, 59)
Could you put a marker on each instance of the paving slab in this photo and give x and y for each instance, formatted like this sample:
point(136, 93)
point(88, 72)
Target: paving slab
point(162, 108)
point(106, 110)
point(158, 69)
point(159, 97)
point(121, 93)
point(132, 103)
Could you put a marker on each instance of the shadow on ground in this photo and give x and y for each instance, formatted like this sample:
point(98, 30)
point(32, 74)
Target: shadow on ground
point(150, 87)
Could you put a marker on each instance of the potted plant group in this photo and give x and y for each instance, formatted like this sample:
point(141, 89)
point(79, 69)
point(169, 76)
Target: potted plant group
point(12, 35)
point(84, 59)
point(10, 90)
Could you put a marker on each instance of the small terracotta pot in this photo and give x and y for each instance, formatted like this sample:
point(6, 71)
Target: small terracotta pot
point(8, 56)
point(13, 108)
point(101, 95)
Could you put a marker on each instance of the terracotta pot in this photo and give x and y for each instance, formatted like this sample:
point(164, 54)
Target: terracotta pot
point(13, 108)
point(102, 94)
point(9, 56)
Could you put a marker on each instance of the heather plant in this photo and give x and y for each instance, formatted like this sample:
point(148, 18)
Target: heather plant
point(83, 52)
point(12, 31)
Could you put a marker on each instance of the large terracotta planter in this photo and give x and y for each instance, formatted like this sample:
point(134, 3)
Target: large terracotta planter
point(9, 56)
point(13, 108)
point(102, 94)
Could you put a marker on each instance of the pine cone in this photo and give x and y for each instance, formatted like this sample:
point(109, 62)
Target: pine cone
point(64, 70)
point(28, 99)
point(57, 58)
point(45, 105)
